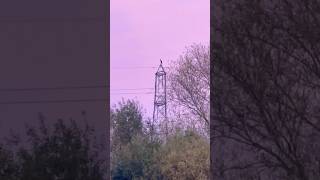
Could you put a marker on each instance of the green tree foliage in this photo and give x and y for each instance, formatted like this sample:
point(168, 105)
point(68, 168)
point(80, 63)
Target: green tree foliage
point(135, 160)
point(137, 153)
point(132, 149)
point(126, 121)
point(184, 156)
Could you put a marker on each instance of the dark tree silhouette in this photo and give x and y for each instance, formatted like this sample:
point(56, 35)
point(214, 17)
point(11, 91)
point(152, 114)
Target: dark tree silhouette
point(64, 152)
point(64, 155)
point(265, 77)
point(8, 167)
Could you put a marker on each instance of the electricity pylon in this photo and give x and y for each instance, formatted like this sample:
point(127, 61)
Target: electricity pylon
point(160, 101)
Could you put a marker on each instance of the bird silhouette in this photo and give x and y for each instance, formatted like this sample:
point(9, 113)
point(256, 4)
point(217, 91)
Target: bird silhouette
point(160, 61)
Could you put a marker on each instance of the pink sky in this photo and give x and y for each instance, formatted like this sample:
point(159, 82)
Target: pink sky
point(142, 32)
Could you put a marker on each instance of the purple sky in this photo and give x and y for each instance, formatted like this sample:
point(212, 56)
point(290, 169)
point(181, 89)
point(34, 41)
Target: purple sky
point(142, 32)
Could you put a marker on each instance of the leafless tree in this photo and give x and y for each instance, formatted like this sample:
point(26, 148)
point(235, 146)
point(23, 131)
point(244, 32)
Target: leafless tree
point(265, 76)
point(189, 87)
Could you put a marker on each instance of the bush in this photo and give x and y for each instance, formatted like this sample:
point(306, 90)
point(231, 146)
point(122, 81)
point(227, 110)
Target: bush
point(185, 156)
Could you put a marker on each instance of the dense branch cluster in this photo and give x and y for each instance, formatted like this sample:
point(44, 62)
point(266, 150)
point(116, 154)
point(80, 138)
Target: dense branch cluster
point(189, 88)
point(265, 95)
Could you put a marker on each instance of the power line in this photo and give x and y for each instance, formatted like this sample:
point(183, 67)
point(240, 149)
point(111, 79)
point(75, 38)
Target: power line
point(121, 90)
point(67, 87)
point(129, 89)
point(63, 101)
point(137, 67)
point(50, 19)
point(53, 88)
point(133, 89)
point(135, 93)
point(53, 101)
point(70, 88)
point(133, 67)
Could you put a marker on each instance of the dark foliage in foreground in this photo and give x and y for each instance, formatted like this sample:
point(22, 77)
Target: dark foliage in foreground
point(64, 152)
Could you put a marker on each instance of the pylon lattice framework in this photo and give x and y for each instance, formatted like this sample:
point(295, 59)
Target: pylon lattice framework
point(160, 101)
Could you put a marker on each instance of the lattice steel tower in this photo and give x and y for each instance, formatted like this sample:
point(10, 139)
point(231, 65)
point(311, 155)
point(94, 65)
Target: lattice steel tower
point(160, 101)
